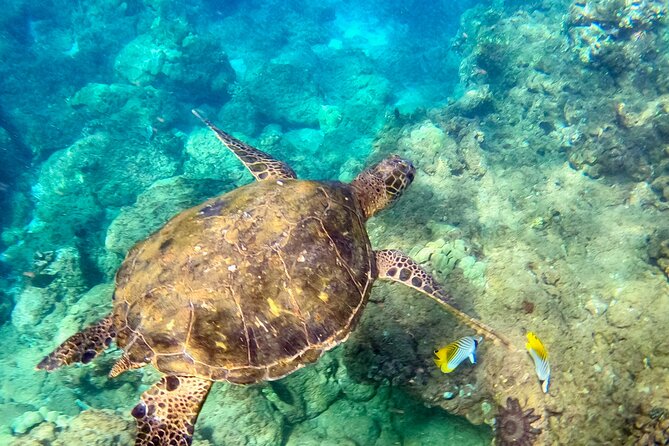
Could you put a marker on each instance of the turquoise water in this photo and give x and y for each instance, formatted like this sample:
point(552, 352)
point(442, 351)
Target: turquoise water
point(540, 135)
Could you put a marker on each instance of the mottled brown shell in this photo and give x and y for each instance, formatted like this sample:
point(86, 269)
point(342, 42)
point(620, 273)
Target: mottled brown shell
point(247, 286)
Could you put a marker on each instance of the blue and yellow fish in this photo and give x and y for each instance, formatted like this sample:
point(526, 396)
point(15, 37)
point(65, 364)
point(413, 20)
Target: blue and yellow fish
point(540, 355)
point(449, 357)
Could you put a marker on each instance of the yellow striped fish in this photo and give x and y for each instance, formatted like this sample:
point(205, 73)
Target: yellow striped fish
point(540, 355)
point(449, 357)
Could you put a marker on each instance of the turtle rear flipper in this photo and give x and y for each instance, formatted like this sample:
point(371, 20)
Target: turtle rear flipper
point(167, 412)
point(81, 347)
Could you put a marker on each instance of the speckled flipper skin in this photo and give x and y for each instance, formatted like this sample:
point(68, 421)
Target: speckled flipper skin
point(167, 412)
point(81, 347)
point(397, 266)
point(261, 165)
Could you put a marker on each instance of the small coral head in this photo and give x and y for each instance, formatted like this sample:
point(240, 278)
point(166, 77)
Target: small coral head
point(383, 183)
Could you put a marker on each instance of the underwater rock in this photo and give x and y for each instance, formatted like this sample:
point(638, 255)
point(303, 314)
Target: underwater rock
point(439, 153)
point(304, 141)
point(64, 196)
point(286, 94)
point(239, 415)
point(419, 424)
point(14, 156)
point(60, 280)
point(658, 251)
point(475, 101)
point(308, 392)
point(380, 352)
point(343, 423)
point(623, 15)
point(427, 141)
point(131, 112)
point(329, 118)
point(239, 114)
point(106, 99)
point(615, 34)
point(161, 201)
point(141, 60)
point(547, 110)
point(651, 428)
point(622, 314)
point(26, 421)
point(89, 307)
point(6, 306)
point(661, 186)
point(172, 58)
point(99, 427)
point(32, 306)
point(354, 390)
point(444, 256)
point(578, 106)
point(77, 184)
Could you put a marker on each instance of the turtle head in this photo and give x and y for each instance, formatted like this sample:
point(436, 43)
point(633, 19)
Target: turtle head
point(383, 183)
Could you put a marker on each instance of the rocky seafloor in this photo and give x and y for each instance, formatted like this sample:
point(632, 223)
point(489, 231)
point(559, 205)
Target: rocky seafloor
point(540, 131)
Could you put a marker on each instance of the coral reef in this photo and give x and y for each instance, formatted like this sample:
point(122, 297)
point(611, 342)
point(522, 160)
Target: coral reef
point(388, 355)
point(170, 57)
point(658, 251)
point(651, 429)
point(604, 30)
point(81, 430)
point(544, 231)
point(56, 280)
point(627, 39)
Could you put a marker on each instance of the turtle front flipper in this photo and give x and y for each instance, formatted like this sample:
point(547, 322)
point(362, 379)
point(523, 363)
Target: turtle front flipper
point(167, 412)
point(397, 266)
point(81, 347)
point(261, 165)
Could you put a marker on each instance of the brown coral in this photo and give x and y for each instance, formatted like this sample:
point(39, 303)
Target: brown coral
point(651, 429)
point(513, 426)
point(658, 251)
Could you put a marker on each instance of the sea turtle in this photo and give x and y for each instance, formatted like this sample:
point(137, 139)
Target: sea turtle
point(248, 286)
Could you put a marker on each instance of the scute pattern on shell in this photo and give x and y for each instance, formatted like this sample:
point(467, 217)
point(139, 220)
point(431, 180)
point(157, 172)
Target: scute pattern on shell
point(247, 286)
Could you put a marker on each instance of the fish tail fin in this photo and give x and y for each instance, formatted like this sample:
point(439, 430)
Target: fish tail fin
point(446, 369)
point(546, 384)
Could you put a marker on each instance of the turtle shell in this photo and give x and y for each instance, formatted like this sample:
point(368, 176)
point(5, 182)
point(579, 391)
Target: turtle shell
point(248, 286)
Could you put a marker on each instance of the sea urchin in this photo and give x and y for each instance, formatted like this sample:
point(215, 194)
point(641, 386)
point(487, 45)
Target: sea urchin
point(513, 426)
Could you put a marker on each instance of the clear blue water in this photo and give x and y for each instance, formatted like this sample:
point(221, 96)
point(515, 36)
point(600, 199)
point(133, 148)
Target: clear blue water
point(538, 129)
